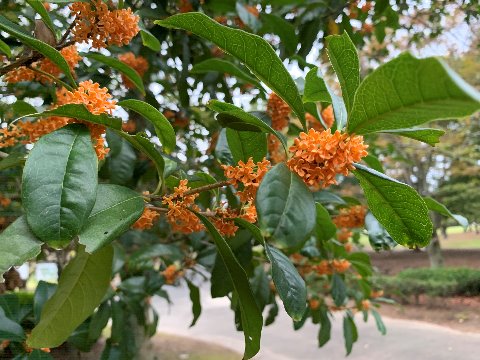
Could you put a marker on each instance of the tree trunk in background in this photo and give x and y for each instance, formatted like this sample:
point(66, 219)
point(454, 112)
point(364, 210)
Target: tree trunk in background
point(434, 250)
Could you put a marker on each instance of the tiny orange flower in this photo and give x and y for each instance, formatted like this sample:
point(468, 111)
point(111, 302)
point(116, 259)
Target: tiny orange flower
point(313, 304)
point(340, 265)
point(351, 217)
point(328, 116)
point(138, 63)
point(278, 111)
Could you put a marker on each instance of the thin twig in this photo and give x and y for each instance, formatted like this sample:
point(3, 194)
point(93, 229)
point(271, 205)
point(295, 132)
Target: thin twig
point(207, 187)
point(55, 79)
point(67, 32)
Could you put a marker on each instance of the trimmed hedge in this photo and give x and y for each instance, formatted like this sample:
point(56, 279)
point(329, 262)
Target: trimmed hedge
point(433, 282)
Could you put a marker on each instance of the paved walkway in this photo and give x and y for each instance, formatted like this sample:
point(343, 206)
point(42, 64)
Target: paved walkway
point(409, 340)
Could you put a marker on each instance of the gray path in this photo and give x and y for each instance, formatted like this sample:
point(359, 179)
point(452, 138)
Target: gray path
point(409, 340)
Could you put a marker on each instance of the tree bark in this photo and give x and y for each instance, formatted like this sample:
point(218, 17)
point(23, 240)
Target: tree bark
point(434, 250)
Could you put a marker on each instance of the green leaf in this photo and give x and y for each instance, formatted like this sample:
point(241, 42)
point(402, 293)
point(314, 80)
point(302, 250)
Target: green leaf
point(285, 206)
point(116, 209)
point(143, 144)
point(168, 251)
point(121, 160)
point(426, 135)
point(374, 163)
point(378, 237)
point(406, 92)
point(99, 321)
point(438, 207)
point(361, 262)
point(163, 128)
point(81, 287)
point(325, 229)
point(10, 330)
point(339, 290)
point(246, 144)
point(22, 108)
point(344, 59)
point(80, 112)
point(59, 184)
point(233, 117)
point(251, 316)
point(195, 298)
point(397, 206)
point(288, 282)
point(350, 332)
point(252, 50)
point(317, 90)
point(17, 245)
point(325, 328)
point(327, 197)
point(43, 292)
point(43, 48)
point(378, 320)
point(12, 160)
point(5, 49)
point(286, 32)
point(37, 5)
point(148, 39)
point(224, 66)
point(116, 64)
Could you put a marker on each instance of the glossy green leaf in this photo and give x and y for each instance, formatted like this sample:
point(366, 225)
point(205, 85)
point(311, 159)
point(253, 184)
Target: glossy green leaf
point(246, 144)
point(286, 32)
point(195, 299)
point(227, 67)
point(222, 150)
point(168, 251)
point(378, 237)
point(116, 64)
point(233, 117)
point(4, 48)
point(43, 292)
point(143, 144)
point(426, 135)
point(256, 53)
point(12, 160)
point(406, 92)
point(317, 90)
point(350, 332)
point(116, 209)
point(325, 229)
point(81, 287)
point(378, 320)
point(438, 207)
point(374, 163)
point(325, 330)
point(397, 206)
point(17, 245)
point(99, 321)
point(361, 263)
point(327, 197)
point(344, 59)
point(288, 282)
point(163, 128)
point(339, 290)
point(285, 206)
point(59, 184)
point(148, 39)
point(121, 163)
point(43, 48)
point(22, 108)
point(250, 314)
point(80, 112)
point(9, 329)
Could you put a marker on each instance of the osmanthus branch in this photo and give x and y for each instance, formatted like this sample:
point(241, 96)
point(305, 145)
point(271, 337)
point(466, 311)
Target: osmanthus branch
point(195, 190)
point(165, 210)
point(50, 76)
point(30, 59)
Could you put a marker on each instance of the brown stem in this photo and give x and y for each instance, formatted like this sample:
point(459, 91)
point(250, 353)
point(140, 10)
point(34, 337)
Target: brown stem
point(67, 32)
point(159, 209)
point(207, 187)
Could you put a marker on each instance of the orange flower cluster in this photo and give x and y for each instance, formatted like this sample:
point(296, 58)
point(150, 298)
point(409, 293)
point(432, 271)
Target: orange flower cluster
point(96, 99)
point(4, 202)
point(94, 21)
point(365, 305)
point(313, 122)
point(171, 274)
point(319, 156)
point(139, 64)
point(340, 265)
point(313, 304)
point(343, 235)
point(22, 73)
point(147, 219)
point(185, 6)
point(178, 215)
point(223, 218)
point(351, 217)
point(328, 116)
point(278, 111)
point(323, 268)
point(249, 174)
point(275, 149)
